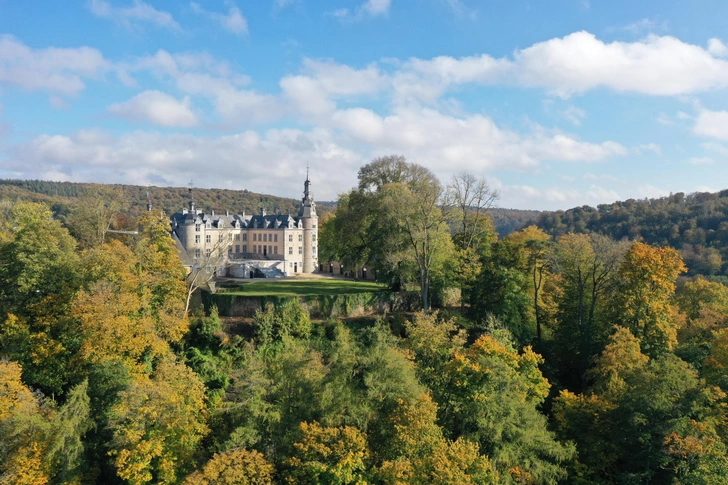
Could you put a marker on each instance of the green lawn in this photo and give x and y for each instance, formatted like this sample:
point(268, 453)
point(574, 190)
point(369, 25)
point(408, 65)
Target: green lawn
point(303, 287)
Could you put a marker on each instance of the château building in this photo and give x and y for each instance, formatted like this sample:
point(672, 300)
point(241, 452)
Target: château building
point(247, 246)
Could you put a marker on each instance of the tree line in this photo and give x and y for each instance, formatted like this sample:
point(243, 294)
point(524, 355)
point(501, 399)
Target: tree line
point(694, 224)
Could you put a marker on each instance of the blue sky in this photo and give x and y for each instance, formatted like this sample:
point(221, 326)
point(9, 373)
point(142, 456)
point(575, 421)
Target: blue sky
point(557, 103)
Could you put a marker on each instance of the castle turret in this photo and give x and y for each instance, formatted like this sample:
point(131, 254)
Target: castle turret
point(309, 220)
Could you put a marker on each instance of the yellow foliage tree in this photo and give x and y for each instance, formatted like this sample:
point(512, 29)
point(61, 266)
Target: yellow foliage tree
point(648, 277)
point(158, 423)
point(422, 455)
point(23, 431)
point(113, 309)
point(329, 456)
point(234, 467)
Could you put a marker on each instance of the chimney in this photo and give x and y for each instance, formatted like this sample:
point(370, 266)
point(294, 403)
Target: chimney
point(262, 211)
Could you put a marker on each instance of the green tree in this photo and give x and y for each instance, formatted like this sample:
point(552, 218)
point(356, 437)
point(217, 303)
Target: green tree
point(38, 281)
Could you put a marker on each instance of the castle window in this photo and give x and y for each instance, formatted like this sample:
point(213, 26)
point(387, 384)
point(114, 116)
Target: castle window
point(300, 249)
point(219, 237)
point(245, 248)
point(208, 239)
point(198, 253)
point(208, 252)
point(290, 238)
point(275, 237)
point(237, 237)
point(270, 249)
point(230, 236)
point(197, 239)
point(245, 236)
point(208, 225)
point(237, 248)
point(314, 238)
point(197, 227)
point(265, 237)
point(314, 250)
point(300, 237)
point(275, 249)
point(290, 249)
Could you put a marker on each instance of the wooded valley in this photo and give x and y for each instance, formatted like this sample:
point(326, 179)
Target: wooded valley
point(588, 348)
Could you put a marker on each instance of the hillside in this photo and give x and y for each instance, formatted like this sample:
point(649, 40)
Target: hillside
point(507, 221)
point(170, 199)
point(695, 224)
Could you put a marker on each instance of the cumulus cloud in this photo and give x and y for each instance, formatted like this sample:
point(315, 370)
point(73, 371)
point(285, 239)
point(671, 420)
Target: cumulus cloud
point(54, 70)
point(712, 124)
point(448, 143)
point(201, 75)
point(233, 21)
point(717, 48)
point(574, 64)
point(273, 162)
point(138, 11)
point(321, 82)
point(157, 108)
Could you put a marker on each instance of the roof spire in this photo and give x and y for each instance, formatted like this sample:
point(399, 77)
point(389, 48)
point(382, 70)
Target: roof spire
point(192, 199)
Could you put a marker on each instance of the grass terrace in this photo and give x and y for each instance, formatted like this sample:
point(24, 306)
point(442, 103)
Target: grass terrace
point(310, 287)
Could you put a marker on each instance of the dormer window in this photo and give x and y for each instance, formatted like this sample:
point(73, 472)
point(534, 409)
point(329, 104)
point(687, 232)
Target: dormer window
point(208, 225)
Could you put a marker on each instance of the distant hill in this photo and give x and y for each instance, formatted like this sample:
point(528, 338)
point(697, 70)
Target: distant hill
point(507, 221)
point(170, 199)
point(695, 224)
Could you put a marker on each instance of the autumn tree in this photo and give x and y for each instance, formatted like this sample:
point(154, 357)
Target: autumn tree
point(329, 456)
point(157, 424)
point(647, 283)
point(641, 417)
point(234, 467)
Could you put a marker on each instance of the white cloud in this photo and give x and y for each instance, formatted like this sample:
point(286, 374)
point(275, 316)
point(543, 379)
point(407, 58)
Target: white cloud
point(701, 161)
point(321, 82)
point(552, 198)
point(447, 143)
point(715, 147)
point(138, 11)
point(55, 70)
point(605, 178)
point(233, 21)
point(460, 9)
point(574, 64)
point(244, 160)
point(283, 3)
point(157, 108)
point(646, 25)
point(376, 7)
point(201, 75)
point(717, 48)
point(574, 115)
point(649, 147)
point(712, 124)
point(370, 8)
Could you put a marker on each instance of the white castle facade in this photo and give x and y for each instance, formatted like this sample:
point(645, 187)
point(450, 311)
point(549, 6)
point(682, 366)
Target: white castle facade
point(247, 246)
